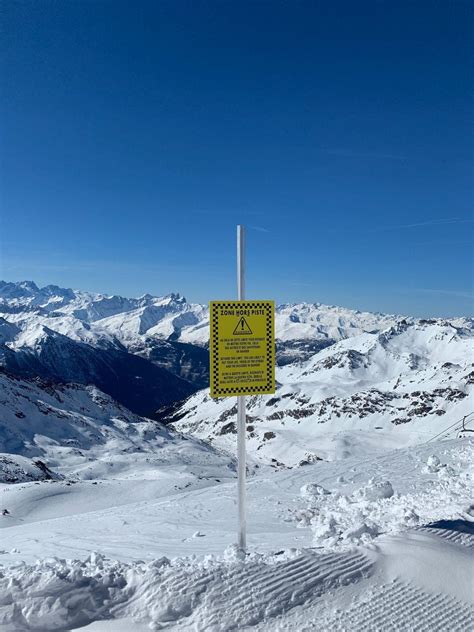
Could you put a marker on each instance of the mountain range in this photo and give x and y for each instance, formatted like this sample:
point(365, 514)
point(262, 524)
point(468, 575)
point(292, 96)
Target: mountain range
point(386, 378)
point(145, 352)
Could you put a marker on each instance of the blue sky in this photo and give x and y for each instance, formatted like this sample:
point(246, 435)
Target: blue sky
point(136, 135)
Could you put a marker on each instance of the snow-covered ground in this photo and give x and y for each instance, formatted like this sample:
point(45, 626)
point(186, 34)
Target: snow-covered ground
point(351, 544)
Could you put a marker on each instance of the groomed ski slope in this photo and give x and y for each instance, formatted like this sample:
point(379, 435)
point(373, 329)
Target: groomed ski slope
point(358, 590)
point(360, 544)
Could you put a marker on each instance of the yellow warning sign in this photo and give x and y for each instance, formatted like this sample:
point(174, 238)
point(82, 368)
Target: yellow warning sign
point(242, 348)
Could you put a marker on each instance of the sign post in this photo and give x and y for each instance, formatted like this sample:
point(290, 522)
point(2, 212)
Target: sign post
point(242, 358)
point(241, 416)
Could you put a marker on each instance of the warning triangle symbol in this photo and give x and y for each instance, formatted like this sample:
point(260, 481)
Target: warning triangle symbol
point(242, 328)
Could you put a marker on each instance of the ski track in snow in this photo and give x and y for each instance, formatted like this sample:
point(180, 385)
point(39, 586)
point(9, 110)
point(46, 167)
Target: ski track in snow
point(399, 606)
point(355, 590)
point(455, 537)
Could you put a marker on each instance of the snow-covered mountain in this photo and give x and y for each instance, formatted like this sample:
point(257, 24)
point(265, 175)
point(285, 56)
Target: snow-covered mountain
point(80, 432)
point(401, 386)
point(337, 366)
point(134, 381)
point(126, 317)
point(71, 336)
point(145, 352)
point(135, 322)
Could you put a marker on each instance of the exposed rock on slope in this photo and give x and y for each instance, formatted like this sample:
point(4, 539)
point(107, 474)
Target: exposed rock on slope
point(403, 385)
point(20, 469)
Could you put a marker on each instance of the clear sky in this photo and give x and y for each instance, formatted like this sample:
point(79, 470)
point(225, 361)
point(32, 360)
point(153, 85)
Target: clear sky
point(135, 136)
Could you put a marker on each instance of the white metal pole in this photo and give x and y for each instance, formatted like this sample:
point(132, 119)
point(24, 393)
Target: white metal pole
point(241, 420)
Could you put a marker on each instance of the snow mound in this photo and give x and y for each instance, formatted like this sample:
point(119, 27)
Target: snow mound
point(376, 490)
point(344, 520)
point(310, 491)
point(213, 595)
point(433, 463)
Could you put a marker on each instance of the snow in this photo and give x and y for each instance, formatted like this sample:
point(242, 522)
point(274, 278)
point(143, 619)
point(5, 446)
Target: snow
point(365, 394)
point(223, 594)
point(163, 555)
point(313, 320)
point(90, 318)
point(97, 318)
point(81, 433)
point(169, 563)
point(359, 515)
point(418, 558)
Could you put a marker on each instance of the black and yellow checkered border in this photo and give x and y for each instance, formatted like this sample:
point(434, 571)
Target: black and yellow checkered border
point(267, 388)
